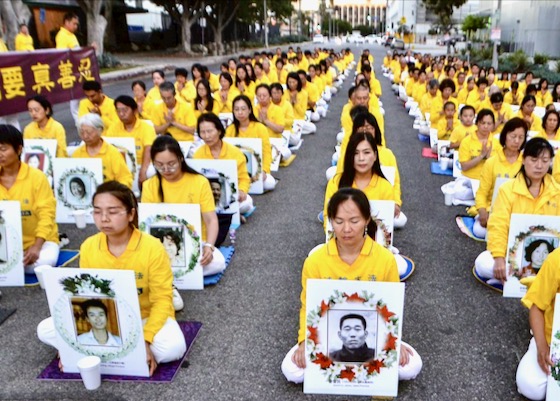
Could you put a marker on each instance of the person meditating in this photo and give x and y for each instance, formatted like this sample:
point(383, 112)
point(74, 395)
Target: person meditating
point(95, 313)
point(353, 335)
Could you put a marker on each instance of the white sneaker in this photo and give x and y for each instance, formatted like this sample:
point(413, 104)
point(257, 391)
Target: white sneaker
point(178, 303)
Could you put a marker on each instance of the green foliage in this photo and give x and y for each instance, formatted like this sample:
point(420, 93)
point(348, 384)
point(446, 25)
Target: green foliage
point(364, 29)
point(473, 23)
point(519, 61)
point(479, 55)
point(558, 66)
point(342, 27)
point(544, 72)
point(541, 58)
point(282, 40)
point(443, 9)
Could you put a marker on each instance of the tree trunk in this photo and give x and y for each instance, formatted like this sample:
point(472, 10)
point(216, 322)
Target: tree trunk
point(12, 14)
point(96, 25)
point(186, 23)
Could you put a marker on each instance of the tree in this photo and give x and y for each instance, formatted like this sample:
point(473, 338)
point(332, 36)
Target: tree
point(443, 9)
point(13, 13)
point(251, 11)
point(222, 14)
point(96, 23)
point(184, 13)
point(473, 23)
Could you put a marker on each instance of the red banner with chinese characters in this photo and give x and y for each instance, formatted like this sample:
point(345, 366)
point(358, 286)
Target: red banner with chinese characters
point(57, 75)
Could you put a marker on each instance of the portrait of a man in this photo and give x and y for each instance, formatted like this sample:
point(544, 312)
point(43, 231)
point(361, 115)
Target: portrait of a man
point(353, 334)
point(97, 314)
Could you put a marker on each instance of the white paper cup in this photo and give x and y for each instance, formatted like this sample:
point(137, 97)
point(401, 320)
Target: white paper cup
point(448, 199)
point(39, 273)
point(90, 370)
point(80, 217)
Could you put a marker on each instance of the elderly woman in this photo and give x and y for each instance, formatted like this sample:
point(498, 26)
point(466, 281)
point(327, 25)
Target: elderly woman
point(90, 127)
point(31, 188)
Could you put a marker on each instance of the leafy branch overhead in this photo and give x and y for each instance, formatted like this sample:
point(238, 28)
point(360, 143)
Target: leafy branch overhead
point(443, 9)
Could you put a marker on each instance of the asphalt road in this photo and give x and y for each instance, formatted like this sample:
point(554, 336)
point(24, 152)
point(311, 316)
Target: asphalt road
point(470, 338)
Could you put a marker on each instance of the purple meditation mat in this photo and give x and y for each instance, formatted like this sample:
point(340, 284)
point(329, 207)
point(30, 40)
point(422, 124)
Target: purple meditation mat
point(164, 373)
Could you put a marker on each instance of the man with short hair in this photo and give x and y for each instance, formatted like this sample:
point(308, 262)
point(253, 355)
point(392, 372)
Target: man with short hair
point(99, 103)
point(353, 335)
point(173, 116)
point(23, 40)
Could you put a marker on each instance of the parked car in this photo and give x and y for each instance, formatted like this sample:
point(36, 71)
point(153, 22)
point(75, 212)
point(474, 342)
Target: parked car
point(388, 41)
point(318, 38)
point(397, 44)
point(373, 39)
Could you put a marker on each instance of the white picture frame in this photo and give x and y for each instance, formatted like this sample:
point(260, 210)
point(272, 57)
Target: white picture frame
point(186, 147)
point(224, 174)
point(11, 245)
point(457, 171)
point(390, 173)
point(553, 380)
point(40, 153)
point(531, 238)
point(68, 290)
point(76, 180)
point(276, 144)
point(444, 149)
point(127, 147)
point(252, 148)
point(381, 306)
point(179, 228)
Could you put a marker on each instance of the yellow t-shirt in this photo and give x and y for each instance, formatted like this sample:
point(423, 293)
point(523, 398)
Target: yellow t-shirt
point(542, 134)
point(287, 112)
point(545, 99)
point(536, 121)
point(215, 109)
point(227, 105)
point(460, 132)
point(274, 114)
point(65, 39)
point(375, 263)
point(300, 105)
point(443, 132)
point(510, 98)
point(470, 148)
point(255, 130)
point(107, 109)
point(38, 205)
point(229, 152)
point(347, 123)
point(52, 130)
point(152, 269)
point(24, 42)
point(114, 164)
point(182, 113)
point(191, 188)
point(143, 133)
point(188, 93)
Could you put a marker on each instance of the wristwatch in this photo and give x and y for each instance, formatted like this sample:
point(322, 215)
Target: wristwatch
point(208, 244)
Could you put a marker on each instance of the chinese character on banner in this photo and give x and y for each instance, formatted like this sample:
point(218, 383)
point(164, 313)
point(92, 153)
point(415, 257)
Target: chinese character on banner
point(42, 76)
point(85, 70)
point(67, 79)
point(13, 82)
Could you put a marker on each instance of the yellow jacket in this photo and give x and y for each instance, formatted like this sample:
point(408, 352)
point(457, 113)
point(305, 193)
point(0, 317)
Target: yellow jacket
point(536, 121)
point(510, 98)
point(182, 113)
point(24, 42)
point(543, 100)
point(255, 130)
point(495, 167)
point(514, 197)
point(52, 130)
point(470, 148)
point(229, 152)
point(154, 278)
point(274, 114)
point(347, 123)
point(460, 132)
point(443, 132)
point(38, 205)
point(288, 113)
point(375, 263)
point(227, 105)
point(107, 109)
point(300, 105)
point(188, 93)
point(143, 133)
point(114, 165)
point(198, 113)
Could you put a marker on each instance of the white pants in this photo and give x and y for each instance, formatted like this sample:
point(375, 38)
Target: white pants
point(530, 379)
point(314, 116)
point(478, 230)
point(269, 182)
point(168, 344)
point(322, 111)
point(400, 221)
point(332, 89)
point(327, 96)
point(246, 205)
point(295, 136)
point(484, 265)
point(295, 374)
point(401, 264)
point(47, 256)
point(340, 137)
point(307, 127)
point(74, 105)
point(217, 265)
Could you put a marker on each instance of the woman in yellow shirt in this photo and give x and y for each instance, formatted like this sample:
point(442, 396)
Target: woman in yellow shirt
point(204, 101)
point(550, 125)
point(244, 83)
point(153, 97)
point(476, 148)
point(246, 125)
point(528, 105)
point(226, 94)
point(176, 182)
point(297, 96)
point(90, 127)
point(139, 93)
point(29, 186)
point(120, 245)
point(505, 163)
point(44, 126)
point(533, 191)
point(544, 97)
point(211, 131)
point(352, 254)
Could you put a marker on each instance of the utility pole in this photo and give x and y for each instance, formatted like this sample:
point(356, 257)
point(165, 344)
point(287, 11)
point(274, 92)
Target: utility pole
point(265, 26)
point(300, 21)
point(496, 24)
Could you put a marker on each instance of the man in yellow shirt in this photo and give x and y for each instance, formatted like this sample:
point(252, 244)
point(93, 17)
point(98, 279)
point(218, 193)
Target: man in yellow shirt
point(66, 39)
point(173, 116)
point(24, 41)
point(97, 102)
point(184, 88)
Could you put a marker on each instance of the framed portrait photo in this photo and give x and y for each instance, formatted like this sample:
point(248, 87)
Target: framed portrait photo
point(40, 153)
point(178, 228)
point(75, 183)
point(252, 148)
point(187, 149)
point(96, 312)
point(353, 337)
point(11, 245)
point(276, 144)
point(531, 239)
point(127, 147)
point(223, 178)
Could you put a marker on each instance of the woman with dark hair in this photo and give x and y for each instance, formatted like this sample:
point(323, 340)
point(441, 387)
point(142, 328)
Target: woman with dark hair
point(526, 112)
point(120, 245)
point(176, 182)
point(535, 253)
point(212, 132)
point(514, 95)
point(533, 191)
point(281, 73)
point(31, 188)
point(172, 243)
point(227, 93)
point(197, 73)
point(477, 147)
point(44, 126)
point(544, 97)
point(502, 112)
point(550, 125)
point(153, 98)
point(139, 92)
point(243, 82)
point(505, 163)
point(556, 93)
point(204, 101)
point(353, 254)
point(246, 125)
point(297, 96)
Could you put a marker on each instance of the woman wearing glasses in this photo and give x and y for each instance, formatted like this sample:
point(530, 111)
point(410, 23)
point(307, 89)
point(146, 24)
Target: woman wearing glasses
point(175, 182)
